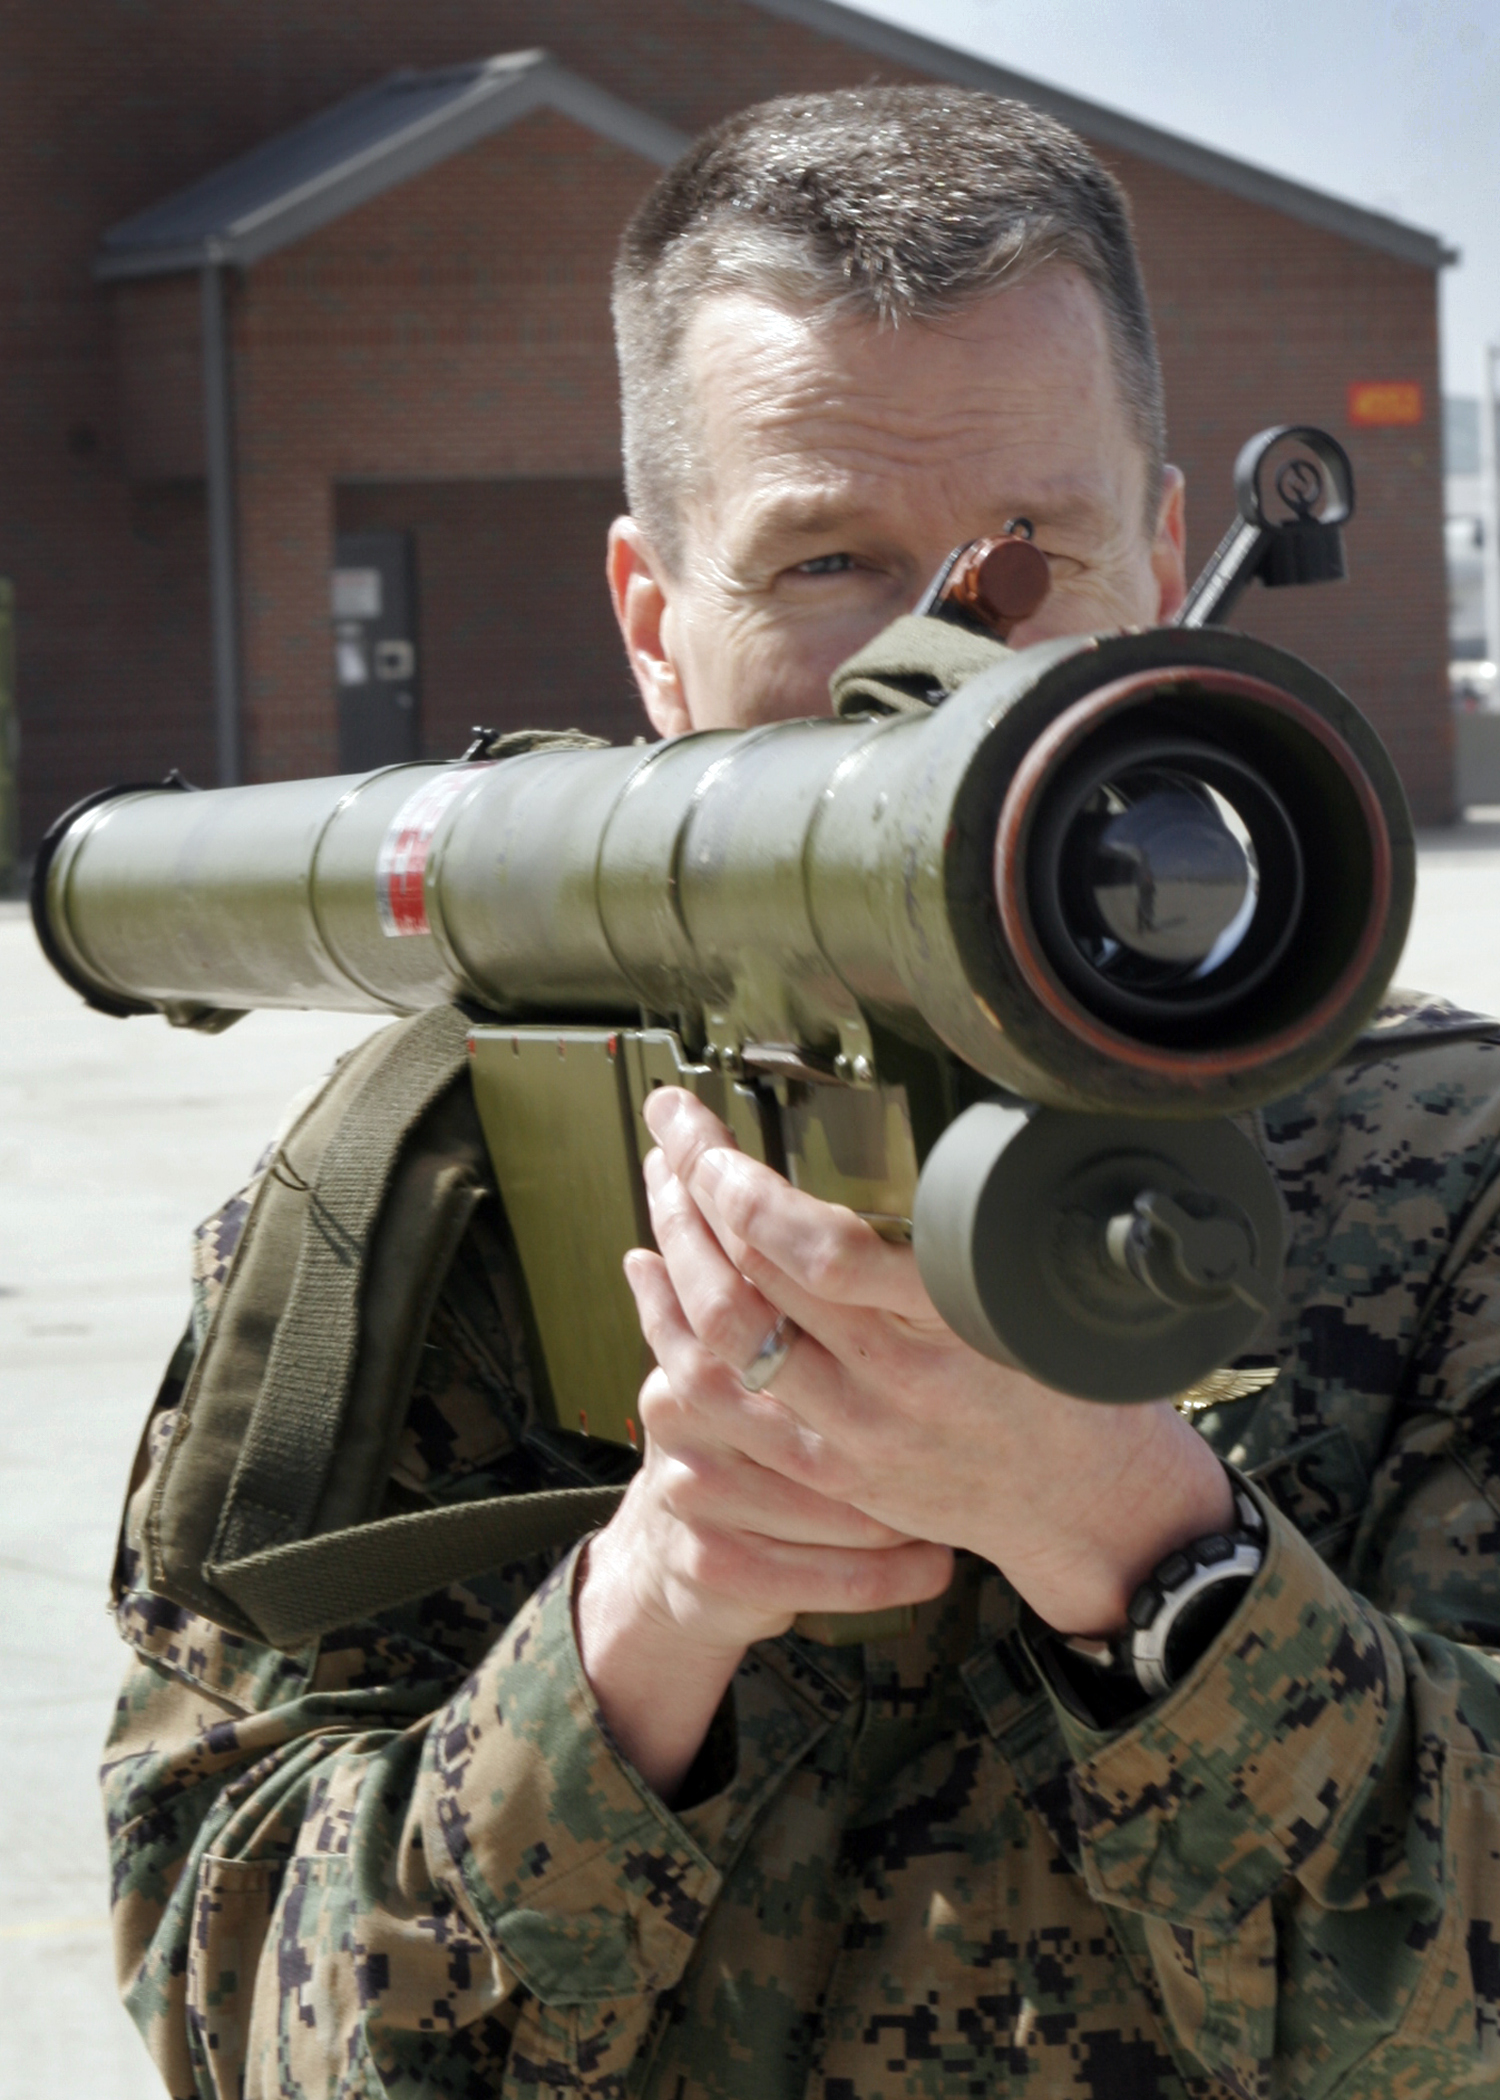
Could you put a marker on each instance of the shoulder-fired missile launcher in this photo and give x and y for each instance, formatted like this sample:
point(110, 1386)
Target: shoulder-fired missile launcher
point(1000, 974)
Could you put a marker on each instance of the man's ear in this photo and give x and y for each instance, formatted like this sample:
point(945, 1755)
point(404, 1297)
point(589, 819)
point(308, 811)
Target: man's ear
point(639, 586)
point(1169, 548)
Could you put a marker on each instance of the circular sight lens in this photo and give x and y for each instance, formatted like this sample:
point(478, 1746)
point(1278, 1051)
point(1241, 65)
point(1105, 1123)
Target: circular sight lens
point(1165, 881)
point(1161, 878)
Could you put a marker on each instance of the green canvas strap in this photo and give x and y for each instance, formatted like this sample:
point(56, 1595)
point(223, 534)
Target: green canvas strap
point(910, 664)
point(282, 1576)
point(295, 1592)
point(294, 1426)
point(213, 1415)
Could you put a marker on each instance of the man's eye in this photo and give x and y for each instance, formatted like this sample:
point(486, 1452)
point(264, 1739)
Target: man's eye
point(824, 565)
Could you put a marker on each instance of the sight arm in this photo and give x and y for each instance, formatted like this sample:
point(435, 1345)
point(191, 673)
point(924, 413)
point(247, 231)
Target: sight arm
point(1293, 536)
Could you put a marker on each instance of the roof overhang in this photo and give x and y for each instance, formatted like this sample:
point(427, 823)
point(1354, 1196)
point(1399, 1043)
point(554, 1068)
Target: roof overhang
point(1109, 127)
point(346, 155)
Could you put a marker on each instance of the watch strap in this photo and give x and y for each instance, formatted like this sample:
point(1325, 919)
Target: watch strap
point(1171, 1619)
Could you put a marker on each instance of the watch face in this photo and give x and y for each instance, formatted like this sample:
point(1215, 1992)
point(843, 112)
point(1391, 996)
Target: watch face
point(1200, 1620)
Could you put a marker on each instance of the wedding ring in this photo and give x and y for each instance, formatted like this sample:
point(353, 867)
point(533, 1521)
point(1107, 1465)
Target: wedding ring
point(768, 1359)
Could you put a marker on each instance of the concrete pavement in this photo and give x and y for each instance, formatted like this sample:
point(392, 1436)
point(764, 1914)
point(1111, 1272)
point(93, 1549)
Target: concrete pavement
point(114, 1139)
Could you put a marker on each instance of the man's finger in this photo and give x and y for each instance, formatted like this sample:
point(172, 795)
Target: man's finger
point(796, 1578)
point(810, 1424)
point(726, 1312)
point(737, 1320)
point(708, 1484)
point(831, 1254)
point(715, 1404)
point(829, 1250)
point(682, 1125)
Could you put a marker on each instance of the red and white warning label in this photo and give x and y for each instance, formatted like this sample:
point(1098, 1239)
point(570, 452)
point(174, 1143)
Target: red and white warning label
point(401, 864)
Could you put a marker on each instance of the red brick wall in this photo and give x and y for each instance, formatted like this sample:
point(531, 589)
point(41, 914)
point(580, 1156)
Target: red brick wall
point(458, 331)
point(516, 626)
point(158, 348)
point(456, 328)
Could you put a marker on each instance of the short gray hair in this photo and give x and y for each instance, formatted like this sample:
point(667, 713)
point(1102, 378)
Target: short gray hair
point(897, 203)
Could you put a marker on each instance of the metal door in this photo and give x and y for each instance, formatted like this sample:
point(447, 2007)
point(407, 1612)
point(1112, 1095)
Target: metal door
point(375, 649)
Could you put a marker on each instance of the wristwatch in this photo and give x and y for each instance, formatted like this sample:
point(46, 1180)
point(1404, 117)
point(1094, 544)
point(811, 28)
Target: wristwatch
point(1185, 1601)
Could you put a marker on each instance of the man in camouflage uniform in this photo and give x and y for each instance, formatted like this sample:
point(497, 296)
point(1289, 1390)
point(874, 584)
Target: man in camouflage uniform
point(609, 1825)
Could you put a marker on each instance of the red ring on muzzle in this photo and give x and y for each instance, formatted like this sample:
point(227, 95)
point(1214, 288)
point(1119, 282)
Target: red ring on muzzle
point(1018, 812)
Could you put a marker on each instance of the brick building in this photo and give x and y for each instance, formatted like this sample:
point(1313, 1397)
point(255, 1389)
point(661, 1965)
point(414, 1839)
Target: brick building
point(270, 314)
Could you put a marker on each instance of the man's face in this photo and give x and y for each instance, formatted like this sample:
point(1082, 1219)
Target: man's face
point(839, 464)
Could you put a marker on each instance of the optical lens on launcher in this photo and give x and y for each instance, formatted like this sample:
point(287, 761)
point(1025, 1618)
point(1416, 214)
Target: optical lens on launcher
point(1165, 878)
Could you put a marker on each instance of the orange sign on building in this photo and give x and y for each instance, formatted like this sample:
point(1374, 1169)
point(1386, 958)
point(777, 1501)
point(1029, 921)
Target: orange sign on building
point(1376, 404)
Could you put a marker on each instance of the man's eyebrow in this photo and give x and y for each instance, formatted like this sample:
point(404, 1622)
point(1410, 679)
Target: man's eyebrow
point(807, 515)
point(785, 521)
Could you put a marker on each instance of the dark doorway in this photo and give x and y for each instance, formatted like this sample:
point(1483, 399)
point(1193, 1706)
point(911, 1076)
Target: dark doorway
point(517, 629)
point(375, 650)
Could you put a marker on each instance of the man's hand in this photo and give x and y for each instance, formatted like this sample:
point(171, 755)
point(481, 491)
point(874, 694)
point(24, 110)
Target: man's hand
point(882, 1431)
point(713, 1550)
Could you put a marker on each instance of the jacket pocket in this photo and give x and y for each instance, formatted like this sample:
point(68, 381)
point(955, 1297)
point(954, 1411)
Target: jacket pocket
point(232, 1914)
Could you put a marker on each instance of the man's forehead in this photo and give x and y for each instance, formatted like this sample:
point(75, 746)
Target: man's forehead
point(1044, 335)
point(806, 417)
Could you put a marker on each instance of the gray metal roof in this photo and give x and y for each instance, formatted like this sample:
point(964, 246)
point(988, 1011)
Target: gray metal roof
point(1109, 127)
point(346, 155)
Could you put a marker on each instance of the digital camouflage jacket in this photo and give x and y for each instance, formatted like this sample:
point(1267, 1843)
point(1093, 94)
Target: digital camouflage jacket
point(409, 1860)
